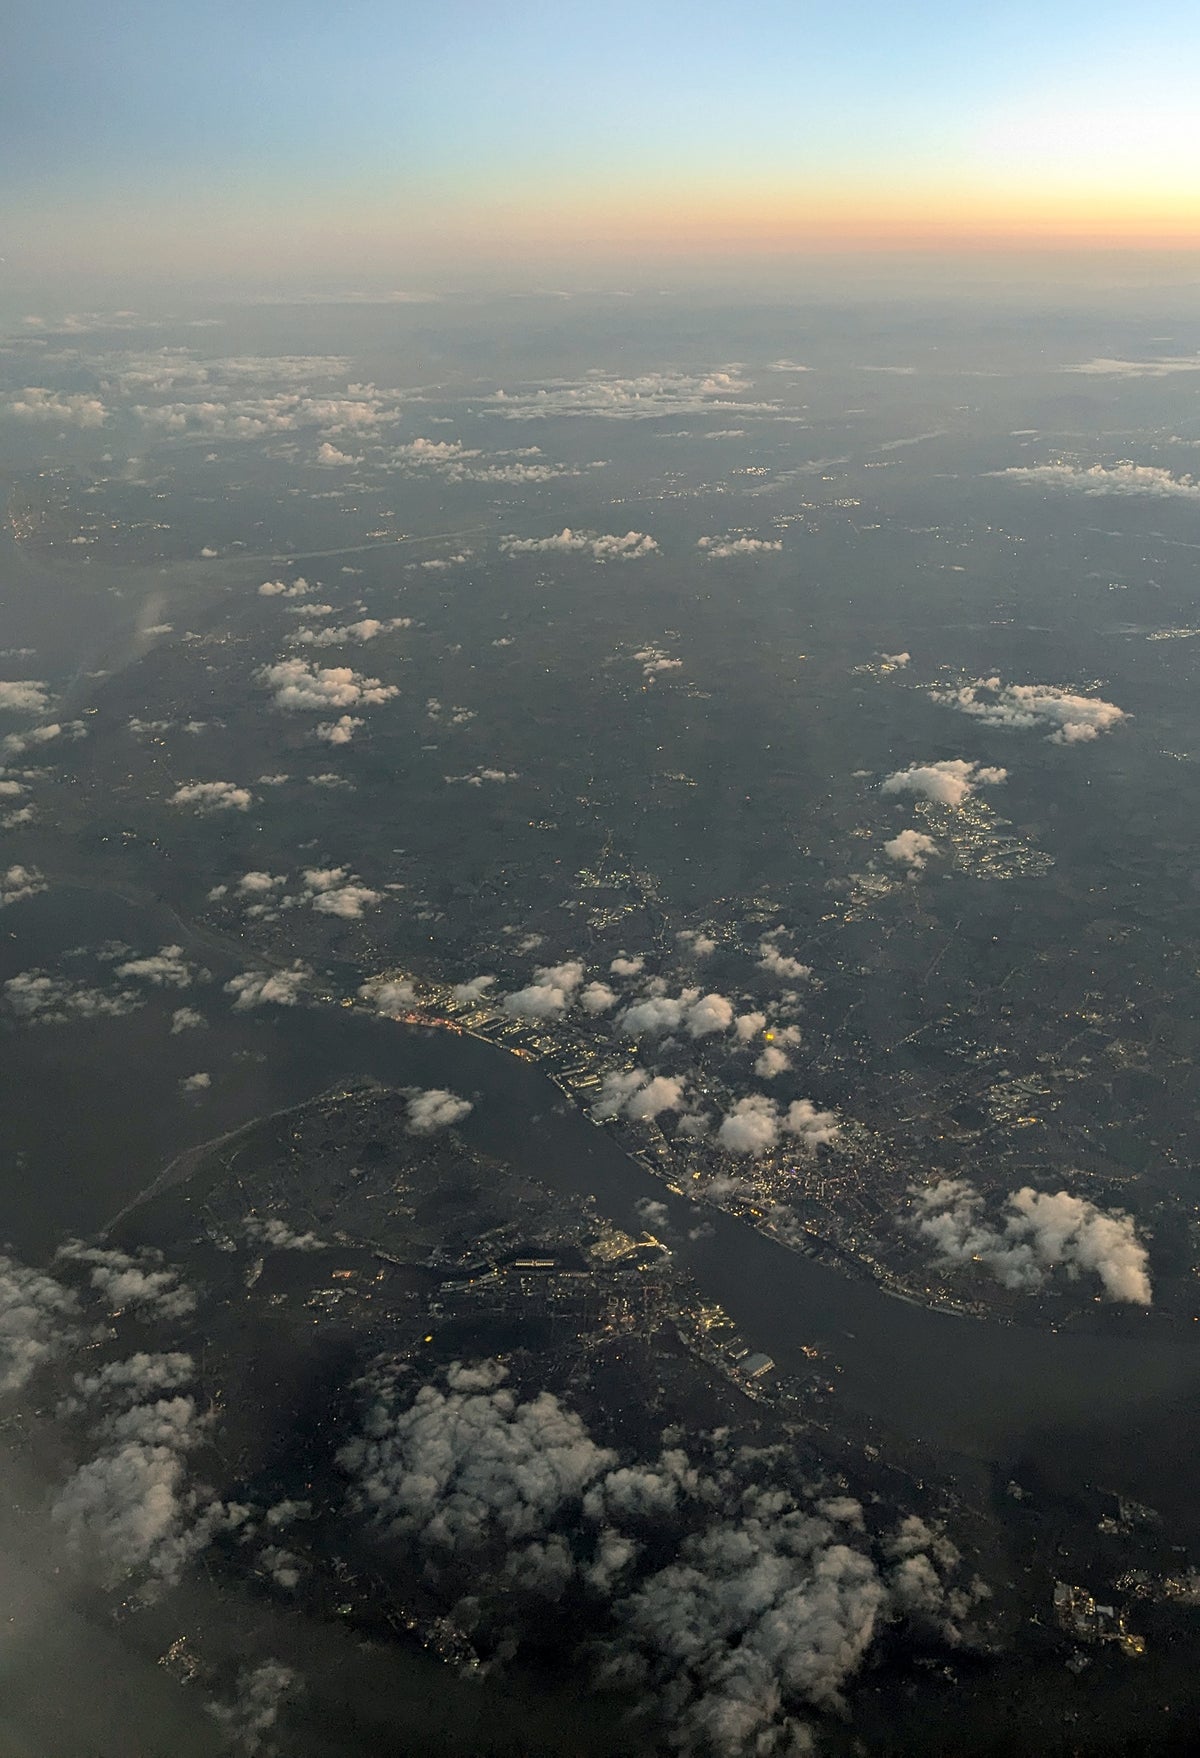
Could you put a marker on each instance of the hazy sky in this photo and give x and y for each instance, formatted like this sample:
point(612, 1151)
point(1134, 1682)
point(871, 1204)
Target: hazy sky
point(403, 139)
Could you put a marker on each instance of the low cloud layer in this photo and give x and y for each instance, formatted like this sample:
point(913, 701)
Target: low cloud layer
point(261, 1692)
point(118, 1384)
point(474, 989)
point(346, 634)
point(274, 1233)
point(165, 969)
point(1068, 719)
point(950, 782)
point(210, 797)
point(40, 1319)
point(16, 744)
point(657, 1012)
point(23, 696)
point(392, 997)
point(141, 1283)
point(772, 959)
point(597, 998)
point(721, 548)
point(128, 1508)
point(757, 1124)
point(333, 891)
point(603, 548)
point(340, 731)
point(1034, 1234)
point(76, 409)
point(486, 777)
point(638, 1095)
point(460, 1463)
point(268, 988)
point(17, 883)
point(553, 989)
point(911, 848)
point(301, 687)
point(649, 396)
point(1162, 367)
point(131, 1508)
point(454, 462)
point(1099, 479)
point(733, 1608)
point(298, 588)
point(38, 998)
point(656, 660)
point(435, 1109)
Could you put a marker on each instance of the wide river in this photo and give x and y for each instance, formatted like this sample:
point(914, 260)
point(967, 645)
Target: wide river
point(90, 1113)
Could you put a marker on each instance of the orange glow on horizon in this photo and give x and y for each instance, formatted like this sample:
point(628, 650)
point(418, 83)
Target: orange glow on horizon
point(678, 221)
point(353, 231)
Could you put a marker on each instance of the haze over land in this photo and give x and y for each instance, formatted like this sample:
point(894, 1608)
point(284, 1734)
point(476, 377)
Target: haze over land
point(779, 735)
point(598, 800)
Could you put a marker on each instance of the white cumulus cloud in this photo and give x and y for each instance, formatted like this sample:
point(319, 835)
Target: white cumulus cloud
point(755, 1125)
point(18, 883)
point(42, 999)
point(721, 548)
point(474, 989)
point(39, 1321)
point(274, 1232)
point(780, 964)
point(261, 1693)
point(553, 989)
point(23, 696)
point(281, 589)
point(36, 403)
point(366, 629)
point(435, 1109)
point(1099, 479)
point(267, 988)
point(949, 782)
point(771, 1061)
point(340, 731)
point(140, 1282)
point(1162, 367)
point(637, 1094)
point(332, 891)
point(602, 548)
point(208, 797)
point(911, 848)
point(597, 998)
point(260, 884)
point(1035, 1233)
point(329, 454)
point(699, 1015)
point(393, 997)
point(647, 396)
point(300, 686)
point(165, 969)
point(1067, 718)
point(471, 1460)
point(15, 744)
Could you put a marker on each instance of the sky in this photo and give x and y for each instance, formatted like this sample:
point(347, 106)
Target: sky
point(387, 138)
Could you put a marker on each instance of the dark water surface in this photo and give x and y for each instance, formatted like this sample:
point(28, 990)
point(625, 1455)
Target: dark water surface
point(90, 1113)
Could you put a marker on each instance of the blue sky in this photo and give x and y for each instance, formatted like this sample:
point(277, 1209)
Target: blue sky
point(398, 110)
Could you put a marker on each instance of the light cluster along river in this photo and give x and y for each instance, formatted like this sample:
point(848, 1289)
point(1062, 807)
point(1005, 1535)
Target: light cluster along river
point(91, 1112)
